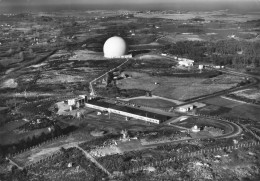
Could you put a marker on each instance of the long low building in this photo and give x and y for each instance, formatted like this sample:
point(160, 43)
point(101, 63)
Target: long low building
point(128, 112)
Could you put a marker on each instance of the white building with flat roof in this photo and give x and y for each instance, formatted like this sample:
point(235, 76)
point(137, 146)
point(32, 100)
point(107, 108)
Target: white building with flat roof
point(186, 62)
point(123, 113)
point(186, 108)
point(78, 102)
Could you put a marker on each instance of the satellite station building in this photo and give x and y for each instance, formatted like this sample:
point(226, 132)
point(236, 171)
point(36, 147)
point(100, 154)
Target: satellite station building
point(127, 111)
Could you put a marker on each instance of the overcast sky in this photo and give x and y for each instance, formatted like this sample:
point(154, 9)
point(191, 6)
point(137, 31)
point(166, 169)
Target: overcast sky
point(160, 4)
point(125, 1)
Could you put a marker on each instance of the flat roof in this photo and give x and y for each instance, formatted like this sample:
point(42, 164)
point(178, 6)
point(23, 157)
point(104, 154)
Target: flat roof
point(130, 110)
point(187, 106)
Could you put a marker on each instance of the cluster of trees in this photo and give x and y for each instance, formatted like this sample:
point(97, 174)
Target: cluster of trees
point(151, 135)
point(126, 161)
point(40, 108)
point(235, 53)
point(42, 123)
point(135, 159)
point(178, 148)
point(229, 52)
point(15, 175)
point(186, 73)
point(58, 169)
point(33, 141)
point(192, 49)
point(211, 142)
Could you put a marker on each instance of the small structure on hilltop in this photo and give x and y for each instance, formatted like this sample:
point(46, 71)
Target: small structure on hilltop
point(125, 136)
point(148, 94)
point(195, 129)
point(201, 67)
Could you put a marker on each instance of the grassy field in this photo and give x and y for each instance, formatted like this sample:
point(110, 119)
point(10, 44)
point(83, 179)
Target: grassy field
point(219, 101)
point(11, 126)
point(84, 55)
point(178, 88)
point(245, 111)
point(229, 108)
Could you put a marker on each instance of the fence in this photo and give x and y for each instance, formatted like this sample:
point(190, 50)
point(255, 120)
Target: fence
point(187, 155)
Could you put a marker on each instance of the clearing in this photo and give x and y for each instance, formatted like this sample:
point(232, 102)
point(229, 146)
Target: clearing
point(178, 88)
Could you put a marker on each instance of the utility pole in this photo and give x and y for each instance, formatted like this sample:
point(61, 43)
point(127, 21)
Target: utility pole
point(25, 93)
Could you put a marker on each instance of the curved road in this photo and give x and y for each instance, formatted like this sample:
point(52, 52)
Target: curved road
point(235, 131)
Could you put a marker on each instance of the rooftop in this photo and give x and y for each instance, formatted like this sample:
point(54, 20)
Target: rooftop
point(130, 110)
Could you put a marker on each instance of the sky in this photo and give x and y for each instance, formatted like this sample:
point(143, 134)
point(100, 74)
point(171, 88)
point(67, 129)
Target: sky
point(123, 1)
point(168, 4)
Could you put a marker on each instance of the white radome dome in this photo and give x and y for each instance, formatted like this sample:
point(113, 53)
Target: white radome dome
point(115, 47)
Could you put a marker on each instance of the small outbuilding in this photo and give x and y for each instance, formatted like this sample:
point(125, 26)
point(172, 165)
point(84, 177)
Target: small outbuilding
point(186, 108)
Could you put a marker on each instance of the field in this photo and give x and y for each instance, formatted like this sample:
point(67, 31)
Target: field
point(58, 168)
point(9, 133)
point(11, 126)
point(47, 149)
point(84, 55)
point(219, 101)
point(228, 108)
point(214, 15)
point(173, 38)
point(244, 111)
point(178, 88)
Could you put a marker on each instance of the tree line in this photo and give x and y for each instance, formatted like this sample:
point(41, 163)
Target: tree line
point(231, 52)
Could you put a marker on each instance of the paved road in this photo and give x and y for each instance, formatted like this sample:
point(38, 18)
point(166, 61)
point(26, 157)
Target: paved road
point(94, 80)
point(153, 97)
point(235, 131)
point(251, 132)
